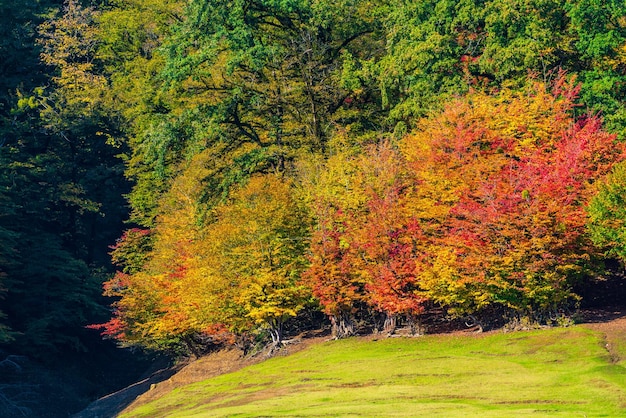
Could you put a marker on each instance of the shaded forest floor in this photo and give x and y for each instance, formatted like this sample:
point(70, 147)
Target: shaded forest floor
point(610, 321)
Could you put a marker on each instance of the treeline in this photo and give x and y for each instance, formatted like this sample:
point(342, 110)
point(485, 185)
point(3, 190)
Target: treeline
point(366, 158)
point(61, 185)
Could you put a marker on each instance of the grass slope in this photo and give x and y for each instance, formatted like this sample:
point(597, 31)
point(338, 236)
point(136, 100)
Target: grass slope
point(555, 372)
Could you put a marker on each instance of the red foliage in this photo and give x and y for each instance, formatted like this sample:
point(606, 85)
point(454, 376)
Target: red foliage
point(332, 276)
point(521, 166)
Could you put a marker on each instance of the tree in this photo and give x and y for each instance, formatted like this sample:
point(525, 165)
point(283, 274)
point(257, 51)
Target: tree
point(158, 271)
point(519, 166)
point(261, 236)
point(388, 239)
point(439, 48)
point(606, 213)
point(20, 71)
point(207, 273)
point(58, 187)
point(129, 36)
point(261, 79)
point(335, 277)
point(600, 32)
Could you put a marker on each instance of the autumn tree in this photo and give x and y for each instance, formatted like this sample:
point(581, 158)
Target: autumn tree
point(211, 274)
point(157, 270)
point(330, 189)
point(388, 238)
point(518, 166)
point(259, 237)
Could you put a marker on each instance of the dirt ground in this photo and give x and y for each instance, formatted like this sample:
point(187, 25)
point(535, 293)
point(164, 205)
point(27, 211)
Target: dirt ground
point(611, 322)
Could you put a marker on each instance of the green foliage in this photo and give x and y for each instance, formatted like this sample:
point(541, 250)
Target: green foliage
point(607, 213)
point(600, 29)
point(266, 73)
point(440, 48)
point(426, 42)
point(60, 185)
point(129, 35)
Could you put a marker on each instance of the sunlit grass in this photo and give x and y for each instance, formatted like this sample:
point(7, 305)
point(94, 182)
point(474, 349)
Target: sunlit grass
point(556, 372)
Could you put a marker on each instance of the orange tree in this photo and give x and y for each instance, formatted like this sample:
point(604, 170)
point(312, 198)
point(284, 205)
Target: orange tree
point(514, 171)
point(209, 275)
point(364, 245)
point(388, 237)
point(336, 202)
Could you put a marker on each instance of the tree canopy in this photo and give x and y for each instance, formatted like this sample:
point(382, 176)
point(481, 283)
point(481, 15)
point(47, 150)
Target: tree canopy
point(367, 159)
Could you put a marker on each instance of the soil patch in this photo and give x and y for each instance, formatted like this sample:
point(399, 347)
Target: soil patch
point(611, 322)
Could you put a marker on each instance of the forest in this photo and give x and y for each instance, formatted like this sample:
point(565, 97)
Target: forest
point(183, 175)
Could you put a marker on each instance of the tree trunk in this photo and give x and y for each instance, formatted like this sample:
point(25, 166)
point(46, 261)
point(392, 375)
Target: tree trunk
point(342, 325)
point(474, 322)
point(191, 346)
point(416, 325)
point(276, 331)
point(389, 327)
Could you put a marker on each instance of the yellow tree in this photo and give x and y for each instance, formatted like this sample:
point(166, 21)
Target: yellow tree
point(255, 246)
point(160, 278)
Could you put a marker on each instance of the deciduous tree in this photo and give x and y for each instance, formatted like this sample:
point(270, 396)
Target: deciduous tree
point(519, 165)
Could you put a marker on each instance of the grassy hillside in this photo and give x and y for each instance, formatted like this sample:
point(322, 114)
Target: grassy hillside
point(555, 372)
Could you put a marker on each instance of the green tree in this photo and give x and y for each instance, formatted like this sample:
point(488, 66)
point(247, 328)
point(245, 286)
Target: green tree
point(261, 80)
point(130, 34)
point(441, 48)
point(60, 187)
point(607, 215)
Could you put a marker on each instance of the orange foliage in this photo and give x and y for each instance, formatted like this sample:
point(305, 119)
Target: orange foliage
point(518, 165)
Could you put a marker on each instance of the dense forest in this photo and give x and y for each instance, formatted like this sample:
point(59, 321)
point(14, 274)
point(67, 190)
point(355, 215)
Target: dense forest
point(182, 175)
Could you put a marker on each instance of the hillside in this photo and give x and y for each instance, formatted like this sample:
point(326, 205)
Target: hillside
point(180, 176)
point(562, 371)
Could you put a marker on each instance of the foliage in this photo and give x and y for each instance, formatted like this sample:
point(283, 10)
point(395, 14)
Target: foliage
point(61, 183)
point(336, 203)
point(606, 213)
point(283, 149)
point(440, 48)
point(130, 34)
point(237, 273)
point(388, 238)
point(518, 166)
point(260, 236)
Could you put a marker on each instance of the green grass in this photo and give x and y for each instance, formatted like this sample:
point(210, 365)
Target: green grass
point(556, 372)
